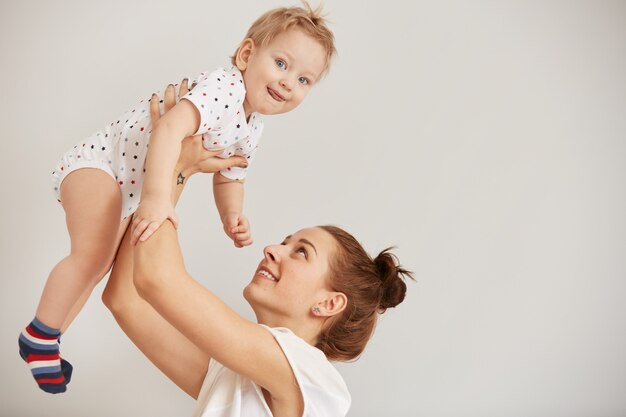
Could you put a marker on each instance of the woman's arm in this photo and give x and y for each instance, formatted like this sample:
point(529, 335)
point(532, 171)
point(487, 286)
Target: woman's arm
point(170, 351)
point(219, 332)
point(179, 359)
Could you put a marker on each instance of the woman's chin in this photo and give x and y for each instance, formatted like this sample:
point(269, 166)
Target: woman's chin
point(246, 293)
point(252, 293)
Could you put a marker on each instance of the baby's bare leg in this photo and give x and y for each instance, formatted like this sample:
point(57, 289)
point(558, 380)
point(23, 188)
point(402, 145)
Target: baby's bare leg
point(78, 306)
point(92, 202)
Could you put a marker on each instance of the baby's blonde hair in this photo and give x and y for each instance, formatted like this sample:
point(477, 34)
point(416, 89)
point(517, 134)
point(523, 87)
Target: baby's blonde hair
point(279, 20)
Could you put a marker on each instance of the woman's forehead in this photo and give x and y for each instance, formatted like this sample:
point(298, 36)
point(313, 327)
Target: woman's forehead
point(320, 239)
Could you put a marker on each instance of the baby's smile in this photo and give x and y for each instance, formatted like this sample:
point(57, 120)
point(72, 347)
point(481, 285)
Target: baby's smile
point(275, 94)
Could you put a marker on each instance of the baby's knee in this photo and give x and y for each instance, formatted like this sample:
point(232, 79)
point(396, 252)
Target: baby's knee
point(93, 266)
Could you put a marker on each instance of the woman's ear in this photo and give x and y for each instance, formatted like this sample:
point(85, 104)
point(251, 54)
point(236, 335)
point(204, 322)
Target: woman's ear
point(332, 305)
point(245, 51)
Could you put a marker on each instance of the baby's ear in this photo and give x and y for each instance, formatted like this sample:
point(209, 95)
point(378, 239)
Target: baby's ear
point(245, 51)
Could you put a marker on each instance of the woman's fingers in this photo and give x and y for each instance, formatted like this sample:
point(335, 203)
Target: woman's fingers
point(218, 164)
point(169, 100)
point(184, 88)
point(155, 111)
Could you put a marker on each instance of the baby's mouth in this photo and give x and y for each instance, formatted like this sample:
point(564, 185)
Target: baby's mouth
point(275, 95)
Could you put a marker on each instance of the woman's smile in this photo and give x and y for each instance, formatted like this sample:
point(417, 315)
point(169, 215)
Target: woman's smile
point(266, 274)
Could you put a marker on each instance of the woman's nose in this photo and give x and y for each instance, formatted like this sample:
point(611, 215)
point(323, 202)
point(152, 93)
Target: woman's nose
point(270, 252)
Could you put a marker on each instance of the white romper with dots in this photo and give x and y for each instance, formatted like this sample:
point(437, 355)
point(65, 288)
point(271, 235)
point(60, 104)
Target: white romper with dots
point(120, 148)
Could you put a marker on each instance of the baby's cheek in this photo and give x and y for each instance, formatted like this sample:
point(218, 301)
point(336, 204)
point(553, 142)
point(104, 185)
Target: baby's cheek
point(302, 96)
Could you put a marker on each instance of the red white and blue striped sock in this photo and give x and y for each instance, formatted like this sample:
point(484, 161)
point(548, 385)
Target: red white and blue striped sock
point(39, 347)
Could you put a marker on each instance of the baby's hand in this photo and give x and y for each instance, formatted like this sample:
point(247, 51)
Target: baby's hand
point(149, 216)
point(237, 228)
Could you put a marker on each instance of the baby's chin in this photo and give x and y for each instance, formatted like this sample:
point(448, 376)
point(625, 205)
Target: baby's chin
point(273, 112)
point(268, 108)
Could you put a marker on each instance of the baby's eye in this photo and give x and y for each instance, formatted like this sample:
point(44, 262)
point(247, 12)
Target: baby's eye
point(280, 64)
point(303, 80)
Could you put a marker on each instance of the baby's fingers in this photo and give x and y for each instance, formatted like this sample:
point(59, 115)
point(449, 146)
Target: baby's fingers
point(230, 225)
point(242, 225)
point(241, 241)
point(242, 234)
point(138, 228)
point(239, 229)
point(152, 227)
point(174, 219)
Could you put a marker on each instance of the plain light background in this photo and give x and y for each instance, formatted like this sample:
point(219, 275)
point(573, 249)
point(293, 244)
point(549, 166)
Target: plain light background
point(486, 139)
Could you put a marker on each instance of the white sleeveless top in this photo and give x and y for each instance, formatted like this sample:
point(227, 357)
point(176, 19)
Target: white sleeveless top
point(227, 394)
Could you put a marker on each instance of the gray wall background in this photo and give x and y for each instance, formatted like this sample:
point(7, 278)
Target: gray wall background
point(486, 139)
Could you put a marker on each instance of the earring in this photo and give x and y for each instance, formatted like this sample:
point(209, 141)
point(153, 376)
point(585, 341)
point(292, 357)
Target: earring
point(316, 310)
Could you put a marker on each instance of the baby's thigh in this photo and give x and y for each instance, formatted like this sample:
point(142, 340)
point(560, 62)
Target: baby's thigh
point(92, 202)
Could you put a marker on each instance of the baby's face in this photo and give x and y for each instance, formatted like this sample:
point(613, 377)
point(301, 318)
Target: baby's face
point(279, 75)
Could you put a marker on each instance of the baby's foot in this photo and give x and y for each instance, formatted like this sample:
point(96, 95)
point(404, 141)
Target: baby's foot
point(39, 347)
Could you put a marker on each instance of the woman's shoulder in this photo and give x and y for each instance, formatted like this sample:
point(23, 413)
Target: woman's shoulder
point(323, 387)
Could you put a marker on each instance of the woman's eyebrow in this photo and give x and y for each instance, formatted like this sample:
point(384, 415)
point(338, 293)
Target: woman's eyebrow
point(303, 240)
point(308, 242)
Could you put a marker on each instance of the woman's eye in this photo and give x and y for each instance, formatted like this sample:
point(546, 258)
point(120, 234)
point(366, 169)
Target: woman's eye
point(280, 64)
point(302, 252)
point(303, 81)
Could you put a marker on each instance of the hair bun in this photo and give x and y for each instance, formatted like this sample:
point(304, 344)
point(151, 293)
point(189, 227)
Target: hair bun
point(392, 276)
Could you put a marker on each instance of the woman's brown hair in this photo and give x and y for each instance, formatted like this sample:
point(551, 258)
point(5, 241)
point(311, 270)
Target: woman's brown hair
point(371, 285)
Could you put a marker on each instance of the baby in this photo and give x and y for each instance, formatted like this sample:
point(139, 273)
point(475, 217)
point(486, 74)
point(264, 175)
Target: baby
point(105, 179)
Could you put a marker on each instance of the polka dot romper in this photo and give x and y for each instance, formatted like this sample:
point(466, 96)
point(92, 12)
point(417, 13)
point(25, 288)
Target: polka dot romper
point(120, 148)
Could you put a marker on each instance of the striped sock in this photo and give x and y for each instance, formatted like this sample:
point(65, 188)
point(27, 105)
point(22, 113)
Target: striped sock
point(39, 347)
point(66, 367)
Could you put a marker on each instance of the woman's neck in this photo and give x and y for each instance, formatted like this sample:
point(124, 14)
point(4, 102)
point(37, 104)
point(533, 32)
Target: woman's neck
point(308, 329)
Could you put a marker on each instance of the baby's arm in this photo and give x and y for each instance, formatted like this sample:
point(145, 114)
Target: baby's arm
point(167, 134)
point(229, 201)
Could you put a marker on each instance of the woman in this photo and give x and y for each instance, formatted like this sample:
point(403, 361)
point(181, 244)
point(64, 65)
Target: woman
point(316, 297)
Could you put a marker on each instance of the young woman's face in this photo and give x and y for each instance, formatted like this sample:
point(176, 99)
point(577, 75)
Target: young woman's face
point(279, 75)
point(293, 275)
